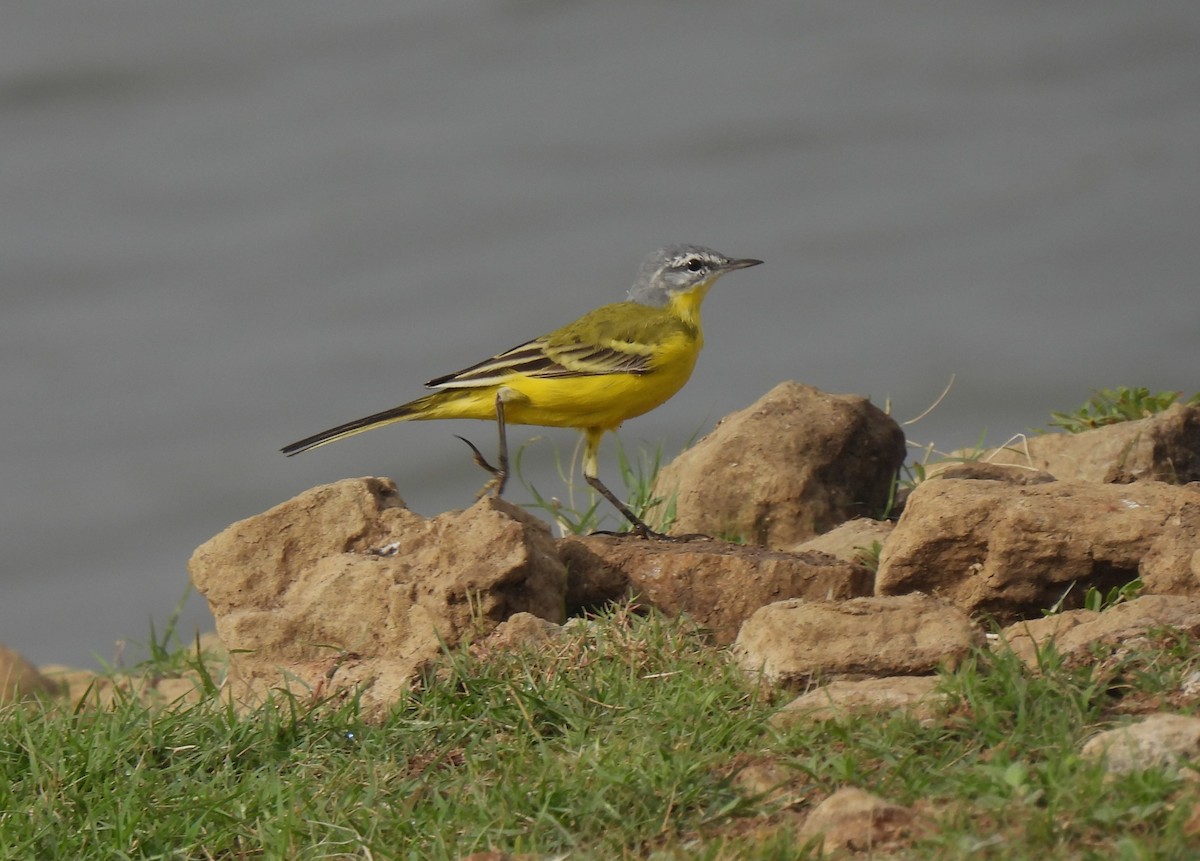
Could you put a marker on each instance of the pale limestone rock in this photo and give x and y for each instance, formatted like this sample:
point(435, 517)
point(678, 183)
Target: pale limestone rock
point(849, 541)
point(792, 465)
point(792, 643)
point(1075, 632)
point(855, 820)
point(770, 781)
point(344, 589)
point(1159, 740)
point(20, 679)
point(916, 695)
point(518, 631)
point(717, 584)
point(1162, 447)
point(1012, 551)
point(979, 470)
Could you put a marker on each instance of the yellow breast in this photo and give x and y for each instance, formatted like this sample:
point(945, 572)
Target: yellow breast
point(604, 400)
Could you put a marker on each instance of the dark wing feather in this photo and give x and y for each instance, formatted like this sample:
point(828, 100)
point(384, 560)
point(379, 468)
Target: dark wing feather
point(614, 339)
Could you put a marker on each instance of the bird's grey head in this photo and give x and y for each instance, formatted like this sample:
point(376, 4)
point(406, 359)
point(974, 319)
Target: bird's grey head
point(678, 269)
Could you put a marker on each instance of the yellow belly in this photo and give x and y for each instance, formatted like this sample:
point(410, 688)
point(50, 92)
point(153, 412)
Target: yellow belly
point(603, 401)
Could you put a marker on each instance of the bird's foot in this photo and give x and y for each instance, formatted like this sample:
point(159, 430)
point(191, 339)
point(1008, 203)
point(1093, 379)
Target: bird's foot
point(494, 485)
point(641, 530)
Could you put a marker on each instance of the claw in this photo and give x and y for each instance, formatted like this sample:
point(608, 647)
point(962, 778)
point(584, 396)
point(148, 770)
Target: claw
point(478, 457)
point(499, 476)
point(641, 530)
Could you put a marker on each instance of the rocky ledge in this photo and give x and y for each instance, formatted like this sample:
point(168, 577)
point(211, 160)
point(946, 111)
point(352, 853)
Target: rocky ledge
point(343, 591)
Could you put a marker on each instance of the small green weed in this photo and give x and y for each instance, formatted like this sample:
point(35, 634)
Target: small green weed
point(637, 476)
point(1112, 406)
point(917, 471)
point(1097, 599)
point(868, 557)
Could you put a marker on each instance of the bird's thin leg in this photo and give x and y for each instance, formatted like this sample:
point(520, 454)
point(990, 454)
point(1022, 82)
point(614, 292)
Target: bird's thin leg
point(639, 526)
point(499, 473)
point(591, 476)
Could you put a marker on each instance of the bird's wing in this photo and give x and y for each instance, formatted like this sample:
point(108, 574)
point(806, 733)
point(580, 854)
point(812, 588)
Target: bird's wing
point(615, 339)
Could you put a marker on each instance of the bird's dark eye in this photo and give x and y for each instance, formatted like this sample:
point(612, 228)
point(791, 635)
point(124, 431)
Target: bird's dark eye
point(695, 264)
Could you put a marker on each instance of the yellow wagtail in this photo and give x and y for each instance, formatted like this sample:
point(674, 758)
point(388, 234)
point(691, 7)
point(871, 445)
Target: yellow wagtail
point(614, 363)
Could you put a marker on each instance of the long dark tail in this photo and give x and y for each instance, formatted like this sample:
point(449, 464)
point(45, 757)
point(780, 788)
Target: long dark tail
point(405, 412)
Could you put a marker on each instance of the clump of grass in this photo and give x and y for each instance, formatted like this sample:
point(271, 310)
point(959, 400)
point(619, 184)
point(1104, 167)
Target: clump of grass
point(1097, 599)
point(1112, 406)
point(581, 518)
point(868, 555)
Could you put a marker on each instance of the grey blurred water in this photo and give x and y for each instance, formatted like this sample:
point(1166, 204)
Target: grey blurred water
point(224, 226)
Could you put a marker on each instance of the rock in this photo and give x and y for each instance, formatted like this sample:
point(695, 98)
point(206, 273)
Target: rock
point(1158, 740)
point(793, 465)
point(21, 680)
point(851, 541)
point(1076, 632)
point(719, 585)
point(976, 471)
point(1013, 551)
point(1163, 447)
point(769, 781)
point(982, 471)
point(855, 820)
point(518, 631)
point(593, 579)
point(792, 643)
point(343, 588)
point(916, 695)
point(86, 690)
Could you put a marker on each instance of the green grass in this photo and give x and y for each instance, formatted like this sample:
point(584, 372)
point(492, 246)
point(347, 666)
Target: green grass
point(623, 739)
point(1104, 407)
point(582, 517)
point(1112, 406)
point(1096, 600)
